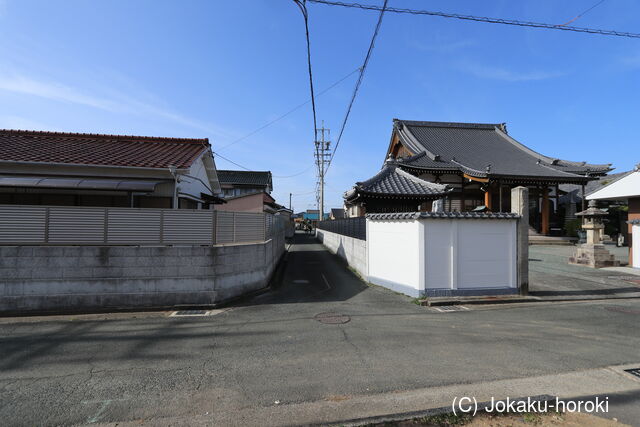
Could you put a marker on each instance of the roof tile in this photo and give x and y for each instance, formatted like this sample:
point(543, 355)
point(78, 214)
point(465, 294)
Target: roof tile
point(99, 149)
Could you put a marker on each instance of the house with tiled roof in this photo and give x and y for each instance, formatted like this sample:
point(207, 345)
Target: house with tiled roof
point(236, 183)
point(481, 162)
point(247, 191)
point(80, 169)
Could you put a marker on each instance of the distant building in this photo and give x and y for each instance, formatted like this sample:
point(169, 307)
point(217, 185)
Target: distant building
point(247, 191)
point(314, 215)
point(79, 169)
point(237, 183)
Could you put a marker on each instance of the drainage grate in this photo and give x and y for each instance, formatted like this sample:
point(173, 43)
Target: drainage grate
point(450, 308)
point(189, 313)
point(332, 318)
point(635, 372)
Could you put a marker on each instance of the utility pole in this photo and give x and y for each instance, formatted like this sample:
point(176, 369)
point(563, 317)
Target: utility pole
point(290, 202)
point(322, 155)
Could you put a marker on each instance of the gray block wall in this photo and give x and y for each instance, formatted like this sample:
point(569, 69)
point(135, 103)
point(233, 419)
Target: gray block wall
point(70, 278)
point(353, 250)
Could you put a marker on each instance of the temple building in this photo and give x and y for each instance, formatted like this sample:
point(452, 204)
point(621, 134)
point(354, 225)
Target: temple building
point(392, 190)
point(481, 163)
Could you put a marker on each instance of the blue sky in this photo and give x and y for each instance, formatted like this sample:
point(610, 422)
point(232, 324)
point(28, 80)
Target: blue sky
point(220, 69)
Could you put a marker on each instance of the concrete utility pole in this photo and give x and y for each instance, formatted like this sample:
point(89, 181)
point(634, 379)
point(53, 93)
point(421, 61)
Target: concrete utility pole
point(322, 153)
point(290, 202)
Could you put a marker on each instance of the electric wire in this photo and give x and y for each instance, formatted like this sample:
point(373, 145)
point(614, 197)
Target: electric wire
point(358, 83)
point(580, 15)
point(483, 19)
point(231, 161)
point(296, 108)
point(303, 8)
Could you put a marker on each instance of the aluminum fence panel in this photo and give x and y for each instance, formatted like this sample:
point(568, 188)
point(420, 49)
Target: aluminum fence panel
point(22, 224)
point(225, 228)
point(189, 227)
point(133, 226)
point(77, 225)
point(249, 227)
point(80, 225)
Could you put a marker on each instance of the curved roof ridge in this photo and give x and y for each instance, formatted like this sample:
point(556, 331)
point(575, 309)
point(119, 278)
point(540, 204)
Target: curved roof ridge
point(540, 163)
point(477, 171)
point(420, 181)
point(386, 170)
point(451, 124)
point(547, 159)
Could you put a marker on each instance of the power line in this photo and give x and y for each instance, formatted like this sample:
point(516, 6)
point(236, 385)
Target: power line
point(360, 77)
point(231, 161)
point(290, 111)
point(483, 19)
point(295, 174)
point(303, 194)
point(303, 8)
point(583, 13)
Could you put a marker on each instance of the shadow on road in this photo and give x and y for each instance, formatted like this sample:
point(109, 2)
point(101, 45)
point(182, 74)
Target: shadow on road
point(309, 273)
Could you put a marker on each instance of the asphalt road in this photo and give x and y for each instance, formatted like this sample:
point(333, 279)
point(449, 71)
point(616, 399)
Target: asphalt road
point(272, 350)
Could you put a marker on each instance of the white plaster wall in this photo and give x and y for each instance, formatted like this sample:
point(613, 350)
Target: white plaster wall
point(353, 250)
point(394, 255)
point(635, 238)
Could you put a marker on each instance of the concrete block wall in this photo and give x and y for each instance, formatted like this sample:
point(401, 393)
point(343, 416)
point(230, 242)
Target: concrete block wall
point(70, 278)
point(353, 250)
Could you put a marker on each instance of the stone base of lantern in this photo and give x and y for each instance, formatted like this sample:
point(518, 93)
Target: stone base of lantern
point(594, 256)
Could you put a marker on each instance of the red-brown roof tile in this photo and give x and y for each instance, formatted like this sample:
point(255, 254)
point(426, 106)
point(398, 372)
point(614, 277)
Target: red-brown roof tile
point(99, 149)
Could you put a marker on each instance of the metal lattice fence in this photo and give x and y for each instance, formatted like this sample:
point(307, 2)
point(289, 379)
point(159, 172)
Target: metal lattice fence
point(352, 227)
point(78, 225)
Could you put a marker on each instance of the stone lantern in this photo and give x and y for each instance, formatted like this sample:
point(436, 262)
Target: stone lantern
point(593, 253)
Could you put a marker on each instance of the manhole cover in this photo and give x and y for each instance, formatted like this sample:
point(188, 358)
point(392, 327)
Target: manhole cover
point(188, 313)
point(450, 308)
point(332, 318)
point(635, 372)
point(624, 310)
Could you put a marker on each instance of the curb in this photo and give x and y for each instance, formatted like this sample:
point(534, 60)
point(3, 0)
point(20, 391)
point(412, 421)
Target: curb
point(405, 416)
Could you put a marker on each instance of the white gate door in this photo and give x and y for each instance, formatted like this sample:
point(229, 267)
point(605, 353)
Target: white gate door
point(486, 254)
point(635, 236)
point(470, 254)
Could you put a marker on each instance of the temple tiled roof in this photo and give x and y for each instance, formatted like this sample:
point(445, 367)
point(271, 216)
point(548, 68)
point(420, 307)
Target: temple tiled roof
point(97, 149)
point(483, 150)
point(393, 181)
point(443, 215)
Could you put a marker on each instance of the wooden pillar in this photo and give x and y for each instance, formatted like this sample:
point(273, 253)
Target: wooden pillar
point(487, 198)
point(500, 208)
point(545, 211)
